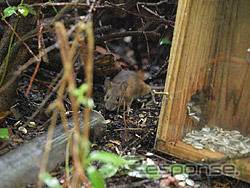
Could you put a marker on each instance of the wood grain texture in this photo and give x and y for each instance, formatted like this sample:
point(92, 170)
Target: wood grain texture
point(206, 31)
point(208, 55)
point(202, 157)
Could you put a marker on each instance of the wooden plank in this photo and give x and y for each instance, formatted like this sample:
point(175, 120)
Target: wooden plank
point(230, 74)
point(185, 151)
point(204, 31)
point(186, 63)
point(206, 157)
point(229, 86)
point(209, 55)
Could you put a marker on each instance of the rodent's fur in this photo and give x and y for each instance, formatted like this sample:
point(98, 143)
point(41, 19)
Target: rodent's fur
point(126, 85)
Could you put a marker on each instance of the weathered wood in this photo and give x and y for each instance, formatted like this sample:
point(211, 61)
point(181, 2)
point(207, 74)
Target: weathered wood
point(187, 151)
point(205, 157)
point(209, 58)
point(21, 166)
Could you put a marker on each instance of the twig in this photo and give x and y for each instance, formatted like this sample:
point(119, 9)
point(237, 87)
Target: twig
point(59, 4)
point(34, 32)
point(143, 25)
point(25, 66)
point(55, 88)
point(48, 146)
point(124, 120)
point(33, 60)
point(89, 74)
point(146, 17)
point(67, 54)
point(20, 39)
point(39, 60)
point(160, 3)
point(114, 36)
point(151, 12)
point(131, 129)
point(161, 69)
point(135, 141)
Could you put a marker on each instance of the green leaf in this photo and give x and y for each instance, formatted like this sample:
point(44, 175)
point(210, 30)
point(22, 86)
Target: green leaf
point(108, 170)
point(4, 133)
point(106, 157)
point(49, 180)
point(96, 179)
point(54, 8)
point(30, 8)
point(8, 12)
point(132, 159)
point(79, 93)
point(165, 41)
point(23, 10)
point(91, 103)
point(82, 100)
point(83, 88)
point(31, 11)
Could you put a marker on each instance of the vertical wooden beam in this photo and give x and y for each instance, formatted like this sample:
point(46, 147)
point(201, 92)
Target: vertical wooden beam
point(208, 30)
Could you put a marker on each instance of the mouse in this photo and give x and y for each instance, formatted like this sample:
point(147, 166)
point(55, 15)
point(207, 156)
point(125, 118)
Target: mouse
point(124, 87)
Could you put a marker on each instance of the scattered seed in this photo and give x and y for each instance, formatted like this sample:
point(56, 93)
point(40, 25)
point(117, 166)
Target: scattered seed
point(180, 177)
point(23, 130)
point(182, 183)
point(190, 182)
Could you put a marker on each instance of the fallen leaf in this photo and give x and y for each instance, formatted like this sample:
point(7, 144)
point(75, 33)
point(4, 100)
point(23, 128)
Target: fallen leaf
point(4, 114)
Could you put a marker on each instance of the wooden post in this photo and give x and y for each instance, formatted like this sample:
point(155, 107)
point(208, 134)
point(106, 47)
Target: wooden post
point(208, 59)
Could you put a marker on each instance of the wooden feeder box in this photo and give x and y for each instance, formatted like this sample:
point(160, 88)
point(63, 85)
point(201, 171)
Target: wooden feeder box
point(208, 79)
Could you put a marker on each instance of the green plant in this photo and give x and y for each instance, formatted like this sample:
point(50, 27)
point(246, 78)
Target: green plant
point(54, 8)
point(50, 181)
point(23, 9)
point(4, 134)
point(111, 164)
point(165, 41)
point(79, 94)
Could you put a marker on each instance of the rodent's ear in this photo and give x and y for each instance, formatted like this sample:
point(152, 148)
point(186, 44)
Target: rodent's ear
point(107, 83)
point(124, 85)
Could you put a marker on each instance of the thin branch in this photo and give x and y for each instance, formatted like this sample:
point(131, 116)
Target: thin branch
point(39, 60)
point(140, 15)
point(115, 36)
point(159, 3)
point(59, 4)
point(143, 31)
point(20, 39)
point(161, 69)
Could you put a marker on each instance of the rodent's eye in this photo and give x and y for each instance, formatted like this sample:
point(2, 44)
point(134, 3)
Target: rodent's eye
point(117, 99)
point(107, 96)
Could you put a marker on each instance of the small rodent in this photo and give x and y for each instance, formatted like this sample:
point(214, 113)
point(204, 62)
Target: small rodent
point(125, 85)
